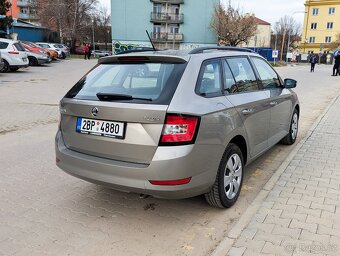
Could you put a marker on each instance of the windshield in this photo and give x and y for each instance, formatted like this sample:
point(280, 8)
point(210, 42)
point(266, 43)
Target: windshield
point(154, 81)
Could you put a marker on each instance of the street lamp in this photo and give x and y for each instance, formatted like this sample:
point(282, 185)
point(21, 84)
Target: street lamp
point(94, 47)
point(291, 16)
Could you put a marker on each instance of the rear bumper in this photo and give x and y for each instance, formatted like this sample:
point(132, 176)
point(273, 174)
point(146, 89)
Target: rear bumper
point(169, 163)
point(43, 61)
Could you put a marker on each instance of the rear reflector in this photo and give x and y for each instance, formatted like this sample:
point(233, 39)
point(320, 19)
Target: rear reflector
point(179, 129)
point(170, 182)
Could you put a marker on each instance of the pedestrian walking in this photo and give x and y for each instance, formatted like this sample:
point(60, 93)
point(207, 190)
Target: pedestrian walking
point(90, 51)
point(313, 60)
point(336, 66)
point(86, 51)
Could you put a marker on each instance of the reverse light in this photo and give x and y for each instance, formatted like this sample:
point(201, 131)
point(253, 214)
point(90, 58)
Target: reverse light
point(179, 130)
point(170, 182)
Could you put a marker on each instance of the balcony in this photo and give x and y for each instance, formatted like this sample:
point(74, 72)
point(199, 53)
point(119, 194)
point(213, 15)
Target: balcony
point(26, 16)
point(23, 3)
point(162, 17)
point(168, 1)
point(166, 37)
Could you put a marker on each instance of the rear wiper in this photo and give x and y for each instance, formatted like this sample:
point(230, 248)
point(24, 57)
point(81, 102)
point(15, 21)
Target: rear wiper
point(113, 96)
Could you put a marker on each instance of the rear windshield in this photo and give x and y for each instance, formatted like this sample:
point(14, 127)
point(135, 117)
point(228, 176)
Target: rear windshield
point(156, 82)
point(19, 47)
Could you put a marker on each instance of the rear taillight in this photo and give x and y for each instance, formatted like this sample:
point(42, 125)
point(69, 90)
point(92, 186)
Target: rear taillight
point(13, 52)
point(179, 130)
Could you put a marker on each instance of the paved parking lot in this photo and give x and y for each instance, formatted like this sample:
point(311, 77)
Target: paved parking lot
point(44, 211)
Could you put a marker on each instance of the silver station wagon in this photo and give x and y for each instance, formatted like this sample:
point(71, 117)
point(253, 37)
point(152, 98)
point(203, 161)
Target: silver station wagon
point(175, 124)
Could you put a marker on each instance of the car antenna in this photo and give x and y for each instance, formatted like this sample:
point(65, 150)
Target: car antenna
point(153, 47)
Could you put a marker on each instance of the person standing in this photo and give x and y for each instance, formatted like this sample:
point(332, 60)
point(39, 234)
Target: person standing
point(336, 64)
point(86, 51)
point(90, 51)
point(313, 60)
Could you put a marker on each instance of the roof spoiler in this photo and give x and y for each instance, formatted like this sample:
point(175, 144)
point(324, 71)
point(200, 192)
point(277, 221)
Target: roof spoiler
point(219, 48)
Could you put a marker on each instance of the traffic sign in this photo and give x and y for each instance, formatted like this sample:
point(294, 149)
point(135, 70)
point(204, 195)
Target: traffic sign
point(335, 52)
point(320, 54)
point(275, 53)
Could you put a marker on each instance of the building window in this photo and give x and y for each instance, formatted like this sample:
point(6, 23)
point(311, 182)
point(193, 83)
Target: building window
point(331, 10)
point(313, 25)
point(315, 11)
point(328, 39)
point(312, 39)
point(157, 8)
point(329, 25)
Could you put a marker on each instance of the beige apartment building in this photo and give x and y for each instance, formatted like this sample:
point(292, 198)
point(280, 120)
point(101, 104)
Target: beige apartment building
point(321, 25)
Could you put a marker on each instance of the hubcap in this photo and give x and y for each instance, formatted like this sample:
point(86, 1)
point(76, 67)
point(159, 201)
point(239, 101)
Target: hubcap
point(232, 176)
point(295, 122)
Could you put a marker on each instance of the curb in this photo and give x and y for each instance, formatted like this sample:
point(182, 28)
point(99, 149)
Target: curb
point(225, 245)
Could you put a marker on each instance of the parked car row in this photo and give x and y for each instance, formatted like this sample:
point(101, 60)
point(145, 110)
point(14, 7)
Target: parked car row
point(20, 54)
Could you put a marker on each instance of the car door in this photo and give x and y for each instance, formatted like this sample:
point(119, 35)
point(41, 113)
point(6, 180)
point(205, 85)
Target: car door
point(243, 92)
point(281, 101)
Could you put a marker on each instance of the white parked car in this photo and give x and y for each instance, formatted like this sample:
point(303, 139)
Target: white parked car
point(51, 46)
point(13, 54)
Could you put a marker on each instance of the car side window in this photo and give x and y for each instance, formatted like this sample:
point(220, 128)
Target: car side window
point(243, 75)
point(268, 76)
point(3, 45)
point(229, 79)
point(209, 80)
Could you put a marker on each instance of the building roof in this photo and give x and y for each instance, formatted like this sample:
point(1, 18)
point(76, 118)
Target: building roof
point(261, 22)
point(21, 23)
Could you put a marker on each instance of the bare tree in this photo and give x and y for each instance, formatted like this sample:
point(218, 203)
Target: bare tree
point(286, 28)
point(232, 26)
point(336, 43)
point(68, 17)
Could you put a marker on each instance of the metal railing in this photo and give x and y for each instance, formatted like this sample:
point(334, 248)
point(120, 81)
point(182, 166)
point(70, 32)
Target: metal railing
point(167, 17)
point(167, 37)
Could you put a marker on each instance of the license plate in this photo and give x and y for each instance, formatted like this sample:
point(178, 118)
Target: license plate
point(100, 128)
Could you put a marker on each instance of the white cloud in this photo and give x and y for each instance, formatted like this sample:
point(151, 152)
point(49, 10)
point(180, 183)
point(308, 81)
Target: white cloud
point(271, 10)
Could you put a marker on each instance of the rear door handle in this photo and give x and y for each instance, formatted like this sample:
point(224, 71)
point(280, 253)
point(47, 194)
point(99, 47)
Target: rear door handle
point(248, 111)
point(273, 103)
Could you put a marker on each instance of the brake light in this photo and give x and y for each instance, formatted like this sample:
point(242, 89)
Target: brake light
point(170, 182)
point(13, 52)
point(179, 130)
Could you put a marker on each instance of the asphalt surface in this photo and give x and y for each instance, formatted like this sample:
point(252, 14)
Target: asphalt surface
point(44, 211)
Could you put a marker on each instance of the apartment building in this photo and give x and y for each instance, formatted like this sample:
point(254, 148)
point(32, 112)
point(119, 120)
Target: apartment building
point(173, 24)
point(24, 10)
point(321, 25)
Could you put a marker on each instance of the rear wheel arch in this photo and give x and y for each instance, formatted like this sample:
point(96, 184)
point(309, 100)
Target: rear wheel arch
point(6, 66)
point(32, 61)
point(240, 141)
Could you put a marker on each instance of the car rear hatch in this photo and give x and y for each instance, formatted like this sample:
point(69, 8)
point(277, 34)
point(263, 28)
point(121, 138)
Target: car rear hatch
point(18, 52)
point(118, 109)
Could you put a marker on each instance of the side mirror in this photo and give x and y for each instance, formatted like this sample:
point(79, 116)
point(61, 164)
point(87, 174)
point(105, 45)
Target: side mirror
point(289, 83)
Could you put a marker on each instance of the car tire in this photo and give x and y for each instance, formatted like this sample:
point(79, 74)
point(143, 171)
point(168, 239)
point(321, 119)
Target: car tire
point(63, 55)
point(290, 138)
point(5, 68)
point(226, 189)
point(32, 61)
point(13, 69)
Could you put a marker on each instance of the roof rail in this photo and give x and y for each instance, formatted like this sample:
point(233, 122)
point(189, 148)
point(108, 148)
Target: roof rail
point(219, 48)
